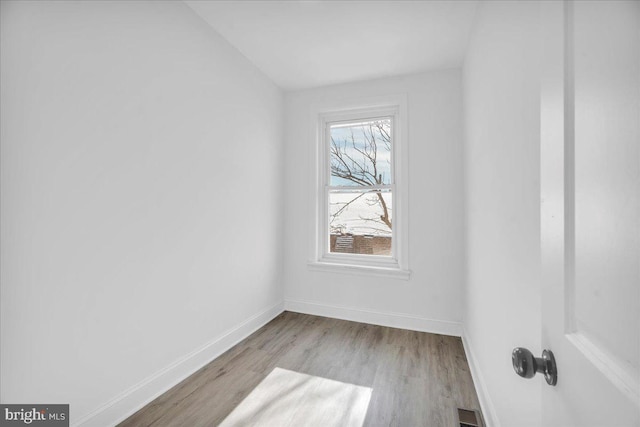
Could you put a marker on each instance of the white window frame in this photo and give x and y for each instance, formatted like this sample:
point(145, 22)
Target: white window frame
point(323, 260)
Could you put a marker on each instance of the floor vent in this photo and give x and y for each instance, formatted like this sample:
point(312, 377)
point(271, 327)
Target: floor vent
point(469, 418)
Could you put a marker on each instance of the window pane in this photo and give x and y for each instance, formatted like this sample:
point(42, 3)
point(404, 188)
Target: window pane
point(361, 153)
point(360, 222)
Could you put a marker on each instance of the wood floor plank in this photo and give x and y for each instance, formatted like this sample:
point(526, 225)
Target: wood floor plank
point(416, 378)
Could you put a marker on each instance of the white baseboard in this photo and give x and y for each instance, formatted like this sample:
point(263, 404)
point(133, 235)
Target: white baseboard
point(131, 400)
point(486, 405)
point(394, 320)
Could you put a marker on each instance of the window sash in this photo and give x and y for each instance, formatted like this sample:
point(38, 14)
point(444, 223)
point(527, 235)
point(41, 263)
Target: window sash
point(358, 119)
point(354, 257)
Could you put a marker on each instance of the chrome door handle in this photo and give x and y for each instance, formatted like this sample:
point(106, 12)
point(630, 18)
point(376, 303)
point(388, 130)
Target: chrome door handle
point(528, 366)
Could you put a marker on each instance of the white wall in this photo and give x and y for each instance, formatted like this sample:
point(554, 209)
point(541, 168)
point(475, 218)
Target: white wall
point(134, 231)
point(502, 161)
point(431, 299)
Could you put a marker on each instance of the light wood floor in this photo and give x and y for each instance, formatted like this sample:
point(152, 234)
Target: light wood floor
point(418, 379)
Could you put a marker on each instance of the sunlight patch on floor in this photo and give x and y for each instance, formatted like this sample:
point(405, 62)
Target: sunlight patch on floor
point(288, 398)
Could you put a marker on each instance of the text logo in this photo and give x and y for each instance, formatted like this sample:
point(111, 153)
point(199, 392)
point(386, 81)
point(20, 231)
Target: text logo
point(34, 415)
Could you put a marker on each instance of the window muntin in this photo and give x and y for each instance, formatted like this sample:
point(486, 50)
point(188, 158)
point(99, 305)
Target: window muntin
point(359, 191)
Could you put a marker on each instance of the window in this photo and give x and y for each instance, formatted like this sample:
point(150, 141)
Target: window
point(360, 187)
point(360, 226)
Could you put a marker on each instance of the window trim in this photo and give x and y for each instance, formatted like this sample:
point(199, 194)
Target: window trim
point(387, 266)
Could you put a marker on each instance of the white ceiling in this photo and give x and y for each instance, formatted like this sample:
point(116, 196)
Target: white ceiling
point(302, 44)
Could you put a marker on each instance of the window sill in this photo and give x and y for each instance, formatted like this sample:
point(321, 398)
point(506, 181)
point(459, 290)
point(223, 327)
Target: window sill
point(359, 270)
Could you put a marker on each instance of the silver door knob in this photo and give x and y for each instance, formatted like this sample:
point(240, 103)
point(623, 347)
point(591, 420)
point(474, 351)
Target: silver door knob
point(528, 366)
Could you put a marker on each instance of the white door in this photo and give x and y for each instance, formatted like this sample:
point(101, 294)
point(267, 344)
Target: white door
point(590, 184)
